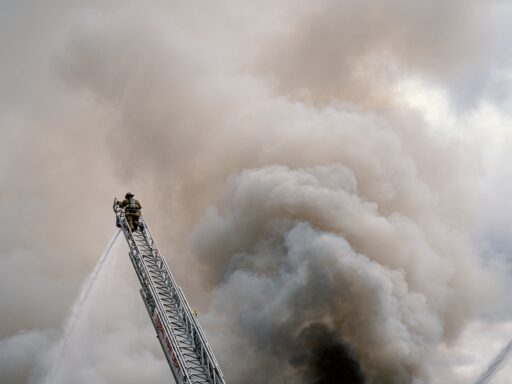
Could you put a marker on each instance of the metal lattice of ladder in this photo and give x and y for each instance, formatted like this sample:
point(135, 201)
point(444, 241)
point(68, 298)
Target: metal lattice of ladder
point(183, 341)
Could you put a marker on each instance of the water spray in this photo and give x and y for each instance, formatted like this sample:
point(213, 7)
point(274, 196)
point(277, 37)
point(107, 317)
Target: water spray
point(78, 307)
point(495, 365)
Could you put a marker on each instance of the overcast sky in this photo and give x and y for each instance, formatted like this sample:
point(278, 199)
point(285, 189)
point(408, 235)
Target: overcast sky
point(340, 167)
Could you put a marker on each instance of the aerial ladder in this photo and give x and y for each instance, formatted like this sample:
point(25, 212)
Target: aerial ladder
point(182, 339)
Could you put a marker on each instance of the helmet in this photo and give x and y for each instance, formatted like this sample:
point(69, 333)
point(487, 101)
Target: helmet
point(128, 195)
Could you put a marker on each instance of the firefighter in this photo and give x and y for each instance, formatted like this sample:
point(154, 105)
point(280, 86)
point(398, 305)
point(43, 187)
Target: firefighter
point(132, 209)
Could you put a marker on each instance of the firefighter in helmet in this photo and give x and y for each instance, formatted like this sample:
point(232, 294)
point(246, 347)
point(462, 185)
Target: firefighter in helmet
point(132, 209)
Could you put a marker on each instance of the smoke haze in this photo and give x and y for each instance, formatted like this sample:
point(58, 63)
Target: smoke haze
point(320, 175)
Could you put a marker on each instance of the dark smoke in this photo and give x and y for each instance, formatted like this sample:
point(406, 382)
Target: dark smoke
point(324, 358)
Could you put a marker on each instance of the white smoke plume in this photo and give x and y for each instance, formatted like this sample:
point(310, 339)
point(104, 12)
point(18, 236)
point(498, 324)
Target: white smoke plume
point(312, 211)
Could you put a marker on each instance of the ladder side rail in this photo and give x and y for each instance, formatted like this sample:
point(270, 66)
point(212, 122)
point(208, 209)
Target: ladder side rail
point(152, 245)
point(213, 365)
point(183, 301)
point(142, 274)
point(161, 338)
point(188, 316)
point(154, 293)
point(194, 333)
point(158, 312)
point(203, 345)
point(173, 294)
point(183, 308)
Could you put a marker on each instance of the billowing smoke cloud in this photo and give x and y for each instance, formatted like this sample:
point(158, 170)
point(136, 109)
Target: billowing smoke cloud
point(332, 230)
point(295, 248)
